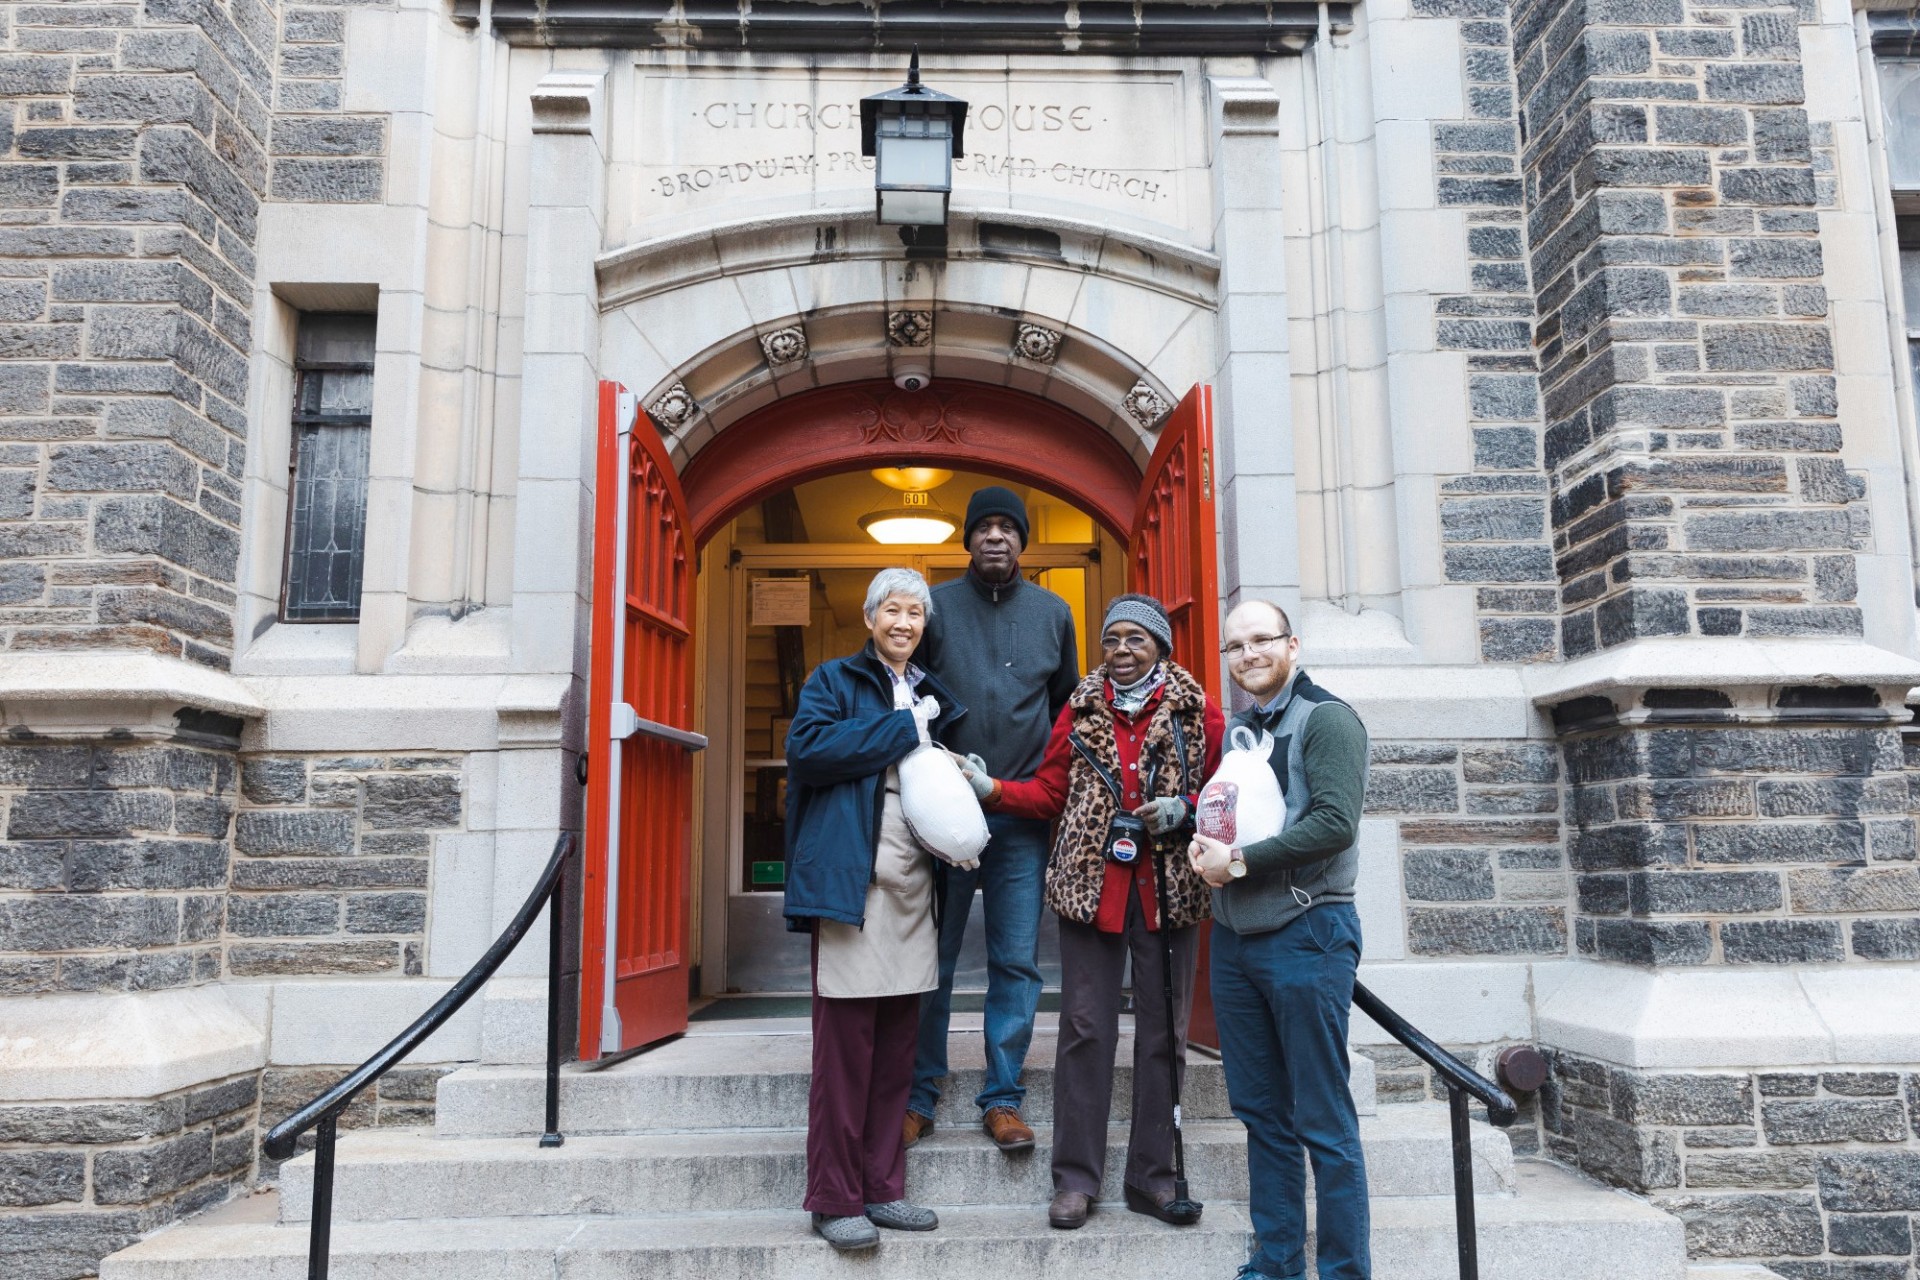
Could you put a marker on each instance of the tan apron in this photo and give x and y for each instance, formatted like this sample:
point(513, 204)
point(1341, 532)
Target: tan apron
point(897, 953)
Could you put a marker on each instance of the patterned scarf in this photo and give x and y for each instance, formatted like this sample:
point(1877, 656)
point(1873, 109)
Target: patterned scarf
point(1128, 699)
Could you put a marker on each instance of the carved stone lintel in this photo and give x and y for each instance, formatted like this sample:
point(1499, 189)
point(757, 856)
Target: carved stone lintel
point(1035, 343)
point(1145, 405)
point(785, 346)
point(910, 328)
point(673, 408)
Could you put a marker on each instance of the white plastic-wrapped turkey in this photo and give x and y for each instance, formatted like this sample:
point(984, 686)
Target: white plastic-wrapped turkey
point(935, 797)
point(1241, 802)
point(939, 806)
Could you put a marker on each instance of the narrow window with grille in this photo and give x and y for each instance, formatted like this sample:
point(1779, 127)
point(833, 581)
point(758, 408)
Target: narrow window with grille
point(327, 491)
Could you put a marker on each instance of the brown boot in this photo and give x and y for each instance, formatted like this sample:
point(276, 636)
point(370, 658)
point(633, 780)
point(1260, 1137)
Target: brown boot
point(1069, 1209)
point(1008, 1131)
point(916, 1127)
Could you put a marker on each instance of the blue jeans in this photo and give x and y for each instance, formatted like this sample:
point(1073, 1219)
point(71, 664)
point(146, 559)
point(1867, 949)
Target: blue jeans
point(1012, 881)
point(1281, 1001)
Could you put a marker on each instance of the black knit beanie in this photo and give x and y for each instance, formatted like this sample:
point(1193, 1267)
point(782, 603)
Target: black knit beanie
point(995, 500)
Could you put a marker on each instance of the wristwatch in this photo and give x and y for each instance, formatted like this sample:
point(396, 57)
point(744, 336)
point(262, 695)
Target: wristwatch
point(1236, 863)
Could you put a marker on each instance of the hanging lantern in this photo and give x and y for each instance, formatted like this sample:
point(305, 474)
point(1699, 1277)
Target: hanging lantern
point(914, 133)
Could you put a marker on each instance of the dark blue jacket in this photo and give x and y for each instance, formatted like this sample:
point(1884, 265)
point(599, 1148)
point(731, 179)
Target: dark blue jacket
point(844, 737)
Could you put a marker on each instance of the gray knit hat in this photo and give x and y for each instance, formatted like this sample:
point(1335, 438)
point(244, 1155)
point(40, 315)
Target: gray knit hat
point(1144, 612)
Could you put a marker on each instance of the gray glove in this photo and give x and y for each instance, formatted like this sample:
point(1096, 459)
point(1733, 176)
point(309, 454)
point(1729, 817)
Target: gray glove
point(975, 771)
point(1164, 814)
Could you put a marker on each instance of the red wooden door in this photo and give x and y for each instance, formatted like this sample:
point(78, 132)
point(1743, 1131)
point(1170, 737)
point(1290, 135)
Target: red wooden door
point(640, 740)
point(1173, 556)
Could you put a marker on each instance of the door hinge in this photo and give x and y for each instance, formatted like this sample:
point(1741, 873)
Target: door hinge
point(610, 1036)
point(625, 721)
point(626, 410)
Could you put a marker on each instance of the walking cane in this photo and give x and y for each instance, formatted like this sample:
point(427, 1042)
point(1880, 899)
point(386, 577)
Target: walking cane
point(1183, 1208)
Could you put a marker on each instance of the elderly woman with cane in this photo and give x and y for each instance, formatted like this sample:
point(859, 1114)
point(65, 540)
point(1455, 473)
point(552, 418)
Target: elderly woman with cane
point(1128, 754)
point(858, 881)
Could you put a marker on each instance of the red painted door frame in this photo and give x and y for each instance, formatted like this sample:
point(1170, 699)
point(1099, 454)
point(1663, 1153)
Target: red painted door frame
point(965, 425)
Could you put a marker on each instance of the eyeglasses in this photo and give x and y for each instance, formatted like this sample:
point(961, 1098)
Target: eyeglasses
point(1258, 644)
point(1132, 644)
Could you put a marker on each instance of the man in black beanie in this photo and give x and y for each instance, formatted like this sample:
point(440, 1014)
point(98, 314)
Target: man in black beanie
point(1006, 649)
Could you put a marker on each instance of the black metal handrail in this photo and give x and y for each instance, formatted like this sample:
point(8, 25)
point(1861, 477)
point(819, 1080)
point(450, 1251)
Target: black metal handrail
point(1462, 1081)
point(324, 1111)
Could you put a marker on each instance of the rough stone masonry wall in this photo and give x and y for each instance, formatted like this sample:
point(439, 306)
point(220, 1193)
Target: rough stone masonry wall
point(137, 143)
point(80, 1180)
point(1744, 844)
point(1493, 520)
point(134, 143)
point(1671, 181)
point(1817, 1174)
point(1482, 863)
point(332, 859)
point(113, 873)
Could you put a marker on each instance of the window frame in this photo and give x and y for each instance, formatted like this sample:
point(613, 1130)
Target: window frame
point(299, 419)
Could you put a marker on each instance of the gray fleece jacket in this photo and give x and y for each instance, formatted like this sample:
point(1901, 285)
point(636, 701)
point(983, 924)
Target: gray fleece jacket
point(1009, 654)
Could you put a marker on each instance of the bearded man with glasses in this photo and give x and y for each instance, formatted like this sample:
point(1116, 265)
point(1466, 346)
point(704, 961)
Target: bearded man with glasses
point(1285, 945)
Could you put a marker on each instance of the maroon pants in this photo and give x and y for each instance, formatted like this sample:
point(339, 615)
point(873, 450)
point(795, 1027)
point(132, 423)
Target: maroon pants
point(857, 1102)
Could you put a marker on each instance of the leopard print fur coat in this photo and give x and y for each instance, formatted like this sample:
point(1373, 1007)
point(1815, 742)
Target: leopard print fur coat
point(1076, 869)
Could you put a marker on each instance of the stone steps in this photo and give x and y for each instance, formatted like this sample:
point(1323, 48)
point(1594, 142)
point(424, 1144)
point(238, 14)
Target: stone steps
point(719, 1081)
point(1558, 1225)
point(383, 1175)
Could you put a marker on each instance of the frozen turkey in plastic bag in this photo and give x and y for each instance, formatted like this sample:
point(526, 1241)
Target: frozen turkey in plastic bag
point(1241, 802)
point(940, 807)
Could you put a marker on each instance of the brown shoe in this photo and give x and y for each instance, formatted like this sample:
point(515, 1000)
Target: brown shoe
point(916, 1127)
point(1069, 1209)
point(1008, 1131)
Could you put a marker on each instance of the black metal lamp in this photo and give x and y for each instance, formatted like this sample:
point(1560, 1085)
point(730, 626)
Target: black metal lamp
point(915, 134)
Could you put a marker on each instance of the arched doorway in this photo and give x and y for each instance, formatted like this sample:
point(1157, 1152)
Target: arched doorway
point(650, 522)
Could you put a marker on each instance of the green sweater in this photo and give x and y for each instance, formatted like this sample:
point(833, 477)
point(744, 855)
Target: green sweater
point(1333, 754)
point(1320, 759)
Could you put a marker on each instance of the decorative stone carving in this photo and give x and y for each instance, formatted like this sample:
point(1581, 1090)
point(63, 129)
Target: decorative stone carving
point(1145, 405)
point(900, 417)
point(910, 328)
point(674, 406)
point(785, 346)
point(1032, 342)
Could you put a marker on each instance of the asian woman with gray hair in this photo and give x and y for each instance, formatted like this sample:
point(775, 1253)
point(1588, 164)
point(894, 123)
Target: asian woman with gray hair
point(861, 885)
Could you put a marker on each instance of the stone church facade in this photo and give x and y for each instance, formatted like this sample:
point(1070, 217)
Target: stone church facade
point(1564, 396)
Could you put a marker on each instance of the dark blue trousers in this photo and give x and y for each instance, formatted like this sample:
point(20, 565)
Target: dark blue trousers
point(1281, 1000)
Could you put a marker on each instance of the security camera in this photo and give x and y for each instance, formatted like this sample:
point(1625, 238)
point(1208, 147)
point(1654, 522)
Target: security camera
point(912, 377)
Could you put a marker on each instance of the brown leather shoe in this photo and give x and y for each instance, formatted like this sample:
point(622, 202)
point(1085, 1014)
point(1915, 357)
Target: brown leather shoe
point(1159, 1205)
point(1069, 1209)
point(1008, 1131)
point(916, 1127)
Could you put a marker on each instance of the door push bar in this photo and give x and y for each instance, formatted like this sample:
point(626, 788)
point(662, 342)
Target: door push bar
point(627, 722)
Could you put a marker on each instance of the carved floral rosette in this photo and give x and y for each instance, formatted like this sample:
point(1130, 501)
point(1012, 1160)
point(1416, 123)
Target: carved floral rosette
point(1036, 343)
point(1145, 405)
point(910, 328)
point(672, 409)
point(785, 346)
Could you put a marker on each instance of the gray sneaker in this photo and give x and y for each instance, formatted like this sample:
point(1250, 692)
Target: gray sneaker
point(902, 1215)
point(846, 1234)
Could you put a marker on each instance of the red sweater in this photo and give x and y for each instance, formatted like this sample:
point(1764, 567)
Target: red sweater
point(1044, 795)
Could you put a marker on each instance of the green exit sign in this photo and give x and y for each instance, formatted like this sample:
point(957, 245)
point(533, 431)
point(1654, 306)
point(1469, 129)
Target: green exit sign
point(769, 873)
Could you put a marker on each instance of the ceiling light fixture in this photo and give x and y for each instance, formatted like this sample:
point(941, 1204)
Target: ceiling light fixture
point(915, 518)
